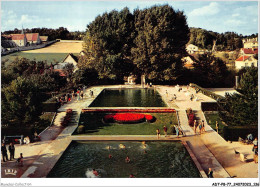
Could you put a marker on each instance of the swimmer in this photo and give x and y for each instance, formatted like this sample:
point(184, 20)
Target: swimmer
point(143, 142)
point(145, 151)
point(131, 176)
point(121, 146)
point(95, 172)
point(127, 159)
point(110, 156)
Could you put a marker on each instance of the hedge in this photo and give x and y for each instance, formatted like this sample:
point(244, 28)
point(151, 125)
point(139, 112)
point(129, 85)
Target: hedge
point(209, 106)
point(232, 133)
point(50, 106)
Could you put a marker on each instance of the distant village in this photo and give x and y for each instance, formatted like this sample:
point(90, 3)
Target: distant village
point(247, 55)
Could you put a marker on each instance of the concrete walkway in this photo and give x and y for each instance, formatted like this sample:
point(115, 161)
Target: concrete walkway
point(223, 151)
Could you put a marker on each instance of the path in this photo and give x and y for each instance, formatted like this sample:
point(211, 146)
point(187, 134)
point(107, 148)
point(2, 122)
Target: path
point(221, 149)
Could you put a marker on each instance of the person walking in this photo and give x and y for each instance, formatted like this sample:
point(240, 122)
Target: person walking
point(217, 126)
point(81, 94)
point(20, 159)
point(176, 130)
point(210, 173)
point(4, 152)
point(11, 150)
point(158, 133)
point(165, 130)
point(203, 126)
point(195, 125)
point(200, 127)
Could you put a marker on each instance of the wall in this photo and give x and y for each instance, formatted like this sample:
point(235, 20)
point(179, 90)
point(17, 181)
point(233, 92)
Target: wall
point(16, 49)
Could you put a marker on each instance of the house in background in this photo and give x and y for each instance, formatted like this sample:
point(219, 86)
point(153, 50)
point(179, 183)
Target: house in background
point(44, 39)
point(189, 61)
point(24, 39)
point(69, 59)
point(19, 39)
point(33, 38)
point(248, 51)
point(245, 61)
point(192, 48)
point(250, 43)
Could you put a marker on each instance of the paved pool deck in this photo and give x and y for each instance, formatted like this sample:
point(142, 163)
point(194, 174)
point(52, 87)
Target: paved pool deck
point(209, 148)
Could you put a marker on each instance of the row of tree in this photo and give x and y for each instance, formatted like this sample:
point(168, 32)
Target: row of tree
point(53, 34)
point(224, 41)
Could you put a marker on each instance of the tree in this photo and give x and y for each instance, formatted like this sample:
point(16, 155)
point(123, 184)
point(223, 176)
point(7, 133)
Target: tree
point(210, 71)
point(159, 45)
point(107, 44)
point(241, 109)
point(22, 100)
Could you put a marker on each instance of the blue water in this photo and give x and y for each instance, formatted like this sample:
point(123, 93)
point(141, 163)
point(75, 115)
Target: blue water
point(128, 98)
point(161, 160)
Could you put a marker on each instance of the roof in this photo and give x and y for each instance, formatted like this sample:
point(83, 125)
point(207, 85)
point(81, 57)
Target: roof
point(243, 58)
point(73, 56)
point(248, 51)
point(17, 36)
point(61, 73)
point(32, 36)
point(44, 38)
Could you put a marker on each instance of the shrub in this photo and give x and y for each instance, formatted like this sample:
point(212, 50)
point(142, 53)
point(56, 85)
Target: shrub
point(232, 133)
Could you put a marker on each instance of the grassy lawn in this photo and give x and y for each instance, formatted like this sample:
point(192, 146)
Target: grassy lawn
point(49, 57)
point(211, 119)
point(45, 121)
point(94, 125)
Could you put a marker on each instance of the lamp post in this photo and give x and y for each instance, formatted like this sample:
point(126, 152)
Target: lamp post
point(237, 78)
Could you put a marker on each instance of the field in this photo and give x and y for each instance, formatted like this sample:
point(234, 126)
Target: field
point(95, 126)
point(49, 57)
point(53, 53)
point(60, 47)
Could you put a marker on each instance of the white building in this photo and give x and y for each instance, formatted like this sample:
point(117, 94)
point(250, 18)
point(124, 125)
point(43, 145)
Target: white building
point(245, 61)
point(192, 48)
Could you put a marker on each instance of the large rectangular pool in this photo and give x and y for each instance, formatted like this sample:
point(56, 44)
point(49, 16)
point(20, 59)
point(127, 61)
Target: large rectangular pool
point(147, 160)
point(128, 98)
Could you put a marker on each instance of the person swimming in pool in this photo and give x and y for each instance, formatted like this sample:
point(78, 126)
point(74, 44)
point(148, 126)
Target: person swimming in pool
point(127, 159)
point(121, 146)
point(95, 172)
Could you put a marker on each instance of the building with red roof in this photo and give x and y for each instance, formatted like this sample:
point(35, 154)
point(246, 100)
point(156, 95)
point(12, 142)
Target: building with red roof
point(24, 39)
point(245, 61)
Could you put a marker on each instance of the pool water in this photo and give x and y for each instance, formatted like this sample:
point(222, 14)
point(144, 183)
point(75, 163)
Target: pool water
point(161, 160)
point(128, 98)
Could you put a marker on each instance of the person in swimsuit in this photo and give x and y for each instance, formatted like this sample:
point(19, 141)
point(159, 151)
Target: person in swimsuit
point(127, 159)
point(158, 133)
point(95, 172)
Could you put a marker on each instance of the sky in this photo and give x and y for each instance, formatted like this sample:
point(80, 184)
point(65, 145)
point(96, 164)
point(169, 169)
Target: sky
point(218, 16)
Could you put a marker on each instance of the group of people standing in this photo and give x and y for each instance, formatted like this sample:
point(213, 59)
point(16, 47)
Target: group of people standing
point(165, 130)
point(11, 149)
point(199, 124)
point(75, 94)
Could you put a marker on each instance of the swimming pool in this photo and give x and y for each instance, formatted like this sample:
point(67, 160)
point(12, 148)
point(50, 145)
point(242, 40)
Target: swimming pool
point(155, 160)
point(128, 98)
